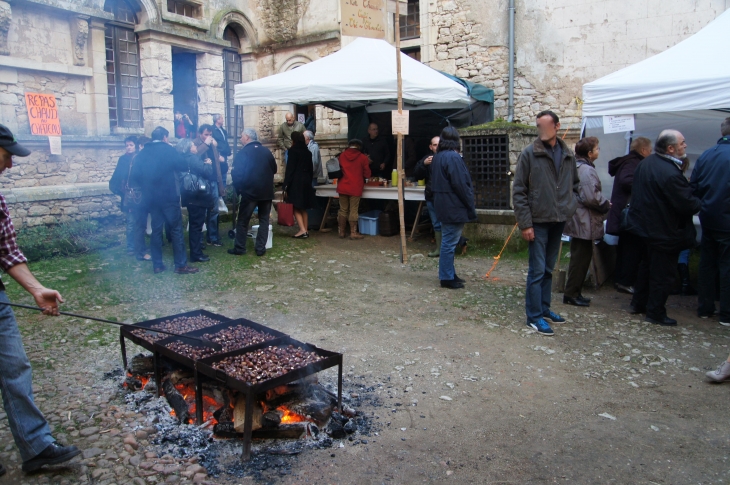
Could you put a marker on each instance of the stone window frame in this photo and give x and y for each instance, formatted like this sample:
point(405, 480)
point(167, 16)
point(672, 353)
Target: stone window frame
point(410, 23)
point(118, 33)
point(185, 8)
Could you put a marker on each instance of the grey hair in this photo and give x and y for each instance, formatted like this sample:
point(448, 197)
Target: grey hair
point(251, 133)
point(216, 117)
point(725, 127)
point(183, 146)
point(666, 139)
point(309, 134)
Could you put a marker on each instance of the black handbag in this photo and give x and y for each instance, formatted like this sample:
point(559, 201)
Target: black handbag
point(624, 219)
point(193, 185)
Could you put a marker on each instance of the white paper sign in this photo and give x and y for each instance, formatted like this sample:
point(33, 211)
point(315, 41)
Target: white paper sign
point(300, 118)
point(55, 143)
point(400, 122)
point(618, 124)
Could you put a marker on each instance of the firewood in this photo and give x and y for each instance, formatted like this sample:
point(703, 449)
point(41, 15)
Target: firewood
point(239, 413)
point(177, 402)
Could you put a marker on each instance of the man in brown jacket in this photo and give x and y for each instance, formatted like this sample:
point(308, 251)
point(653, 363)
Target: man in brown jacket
point(544, 195)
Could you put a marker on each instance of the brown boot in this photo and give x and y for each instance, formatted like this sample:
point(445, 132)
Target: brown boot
point(353, 231)
point(342, 226)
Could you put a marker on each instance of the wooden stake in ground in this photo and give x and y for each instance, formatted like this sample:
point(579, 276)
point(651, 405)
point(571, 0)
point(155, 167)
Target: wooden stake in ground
point(399, 154)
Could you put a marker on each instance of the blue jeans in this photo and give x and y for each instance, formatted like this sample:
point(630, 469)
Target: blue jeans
point(543, 254)
point(171, 214)
point(245, 210)
point(129, 230)
point(432, 214)
point(450, 234)
point(684, 257)
point(30, 429)
point(211, 218)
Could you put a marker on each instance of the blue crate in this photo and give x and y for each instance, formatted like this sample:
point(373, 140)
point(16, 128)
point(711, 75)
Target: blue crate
point(367, 223)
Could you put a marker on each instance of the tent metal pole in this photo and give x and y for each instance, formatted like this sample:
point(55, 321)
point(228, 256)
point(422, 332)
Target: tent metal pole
point(511, 101)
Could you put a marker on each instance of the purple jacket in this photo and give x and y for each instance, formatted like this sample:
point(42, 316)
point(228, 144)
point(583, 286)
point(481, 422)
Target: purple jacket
point(622, 169)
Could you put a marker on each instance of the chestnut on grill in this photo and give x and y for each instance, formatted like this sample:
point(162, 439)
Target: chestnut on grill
point(268, 363)
point(177, 325)
point(232, 338)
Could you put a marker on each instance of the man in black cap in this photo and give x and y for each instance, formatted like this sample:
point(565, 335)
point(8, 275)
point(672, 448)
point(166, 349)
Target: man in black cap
point(29, 427)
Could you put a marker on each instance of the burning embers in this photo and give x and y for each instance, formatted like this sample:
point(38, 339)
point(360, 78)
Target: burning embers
point(259, 383)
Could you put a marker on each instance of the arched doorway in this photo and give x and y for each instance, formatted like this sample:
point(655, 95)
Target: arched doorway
point(124, 84)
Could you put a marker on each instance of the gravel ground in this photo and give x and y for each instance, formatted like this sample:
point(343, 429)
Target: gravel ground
point(458, 388)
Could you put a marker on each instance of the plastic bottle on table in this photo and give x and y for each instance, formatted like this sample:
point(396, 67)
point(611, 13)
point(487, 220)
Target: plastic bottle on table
point(394, 178)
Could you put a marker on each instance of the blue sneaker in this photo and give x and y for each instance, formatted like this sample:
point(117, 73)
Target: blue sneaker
point(553, 317)
point(541, 327)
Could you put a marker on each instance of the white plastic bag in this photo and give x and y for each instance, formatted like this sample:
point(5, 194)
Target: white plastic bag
point(222, 207)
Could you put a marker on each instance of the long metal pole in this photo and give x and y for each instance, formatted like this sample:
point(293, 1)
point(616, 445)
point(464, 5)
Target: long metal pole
point(511, 100)
point(132, 327)
point(399, 154)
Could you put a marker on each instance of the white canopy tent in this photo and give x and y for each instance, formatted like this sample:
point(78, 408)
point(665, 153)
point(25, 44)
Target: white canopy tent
point(361, 74)
point(686, 87)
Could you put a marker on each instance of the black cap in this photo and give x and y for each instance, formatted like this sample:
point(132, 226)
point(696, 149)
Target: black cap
point(353, 142)
point(8, 142)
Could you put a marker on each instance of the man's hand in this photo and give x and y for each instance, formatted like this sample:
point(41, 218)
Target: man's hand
point(208, 161)
point(382, 166)
point(48, 300)
point(428, 160)
point(221, 159)
point(215, 143)
point(528, 234)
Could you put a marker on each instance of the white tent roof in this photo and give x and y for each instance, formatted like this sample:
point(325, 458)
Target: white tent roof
point(692, 75)
point(363, 73)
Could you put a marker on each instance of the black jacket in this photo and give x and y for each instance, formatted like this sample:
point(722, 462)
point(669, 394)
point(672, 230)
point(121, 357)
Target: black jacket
point(155, 171)
point(711, 183)
point(622, 170)
point(298, 178)
point(120, 178)
point(423, 172)
point(253, 172)
point(204, 171)
point(453, 194)
point(662, 205)
point(224, 149)
point(379, 152)
point(539, 194)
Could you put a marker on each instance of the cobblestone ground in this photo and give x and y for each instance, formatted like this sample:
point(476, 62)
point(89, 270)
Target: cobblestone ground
point(469, 393)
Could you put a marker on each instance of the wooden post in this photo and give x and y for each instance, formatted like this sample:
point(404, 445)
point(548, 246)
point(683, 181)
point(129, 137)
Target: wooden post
point(399, 154)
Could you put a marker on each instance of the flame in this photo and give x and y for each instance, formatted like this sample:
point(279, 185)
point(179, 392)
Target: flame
point(210, 405)
point(143, 379)
point(290, 416)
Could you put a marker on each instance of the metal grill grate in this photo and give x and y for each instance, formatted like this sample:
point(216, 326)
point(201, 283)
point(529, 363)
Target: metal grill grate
point(487, 158)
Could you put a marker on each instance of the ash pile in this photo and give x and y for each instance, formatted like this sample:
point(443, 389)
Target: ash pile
point(287, 420)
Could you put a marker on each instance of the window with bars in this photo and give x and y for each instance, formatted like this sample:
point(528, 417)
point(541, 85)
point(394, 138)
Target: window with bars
point(183, 8)
point(232, 68)
point(122, 68)
point(410, 23)
point(487, 158)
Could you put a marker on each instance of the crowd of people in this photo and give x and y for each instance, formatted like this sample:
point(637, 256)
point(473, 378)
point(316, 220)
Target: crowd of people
point(557, 192)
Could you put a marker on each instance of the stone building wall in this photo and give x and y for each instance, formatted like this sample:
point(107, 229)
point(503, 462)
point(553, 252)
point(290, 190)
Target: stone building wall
point(560, 44)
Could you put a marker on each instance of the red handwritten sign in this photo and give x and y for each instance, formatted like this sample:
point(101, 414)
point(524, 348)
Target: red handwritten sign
point(43, 114)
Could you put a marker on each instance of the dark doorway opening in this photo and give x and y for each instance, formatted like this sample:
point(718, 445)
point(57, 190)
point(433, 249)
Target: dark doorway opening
point(185, 85)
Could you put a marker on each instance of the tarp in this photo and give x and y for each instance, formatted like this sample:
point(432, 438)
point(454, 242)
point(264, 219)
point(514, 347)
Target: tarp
point(361, 74)
point(692, 75)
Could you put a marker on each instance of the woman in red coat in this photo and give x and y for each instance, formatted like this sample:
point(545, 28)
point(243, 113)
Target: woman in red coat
point(355, 168)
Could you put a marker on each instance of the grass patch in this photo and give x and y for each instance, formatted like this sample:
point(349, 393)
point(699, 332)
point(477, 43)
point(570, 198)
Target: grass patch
point(65, 239)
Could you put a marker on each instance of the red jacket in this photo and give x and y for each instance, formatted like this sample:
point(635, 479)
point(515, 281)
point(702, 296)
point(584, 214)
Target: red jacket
point(355, 169)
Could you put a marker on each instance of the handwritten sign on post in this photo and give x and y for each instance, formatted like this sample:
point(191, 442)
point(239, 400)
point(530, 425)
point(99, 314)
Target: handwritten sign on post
point(618, 124)
point(363, 18)
point(43, 114)
point(400, 122)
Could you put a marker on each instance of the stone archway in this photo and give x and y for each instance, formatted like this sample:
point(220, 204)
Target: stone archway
point(293, 62)
point(240, 23)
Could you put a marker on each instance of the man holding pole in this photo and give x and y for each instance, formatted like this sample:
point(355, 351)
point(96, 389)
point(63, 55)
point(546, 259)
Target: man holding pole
point(29, 427)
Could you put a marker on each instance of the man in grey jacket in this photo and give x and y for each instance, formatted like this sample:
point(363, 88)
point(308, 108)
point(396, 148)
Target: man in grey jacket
point(544, 195)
